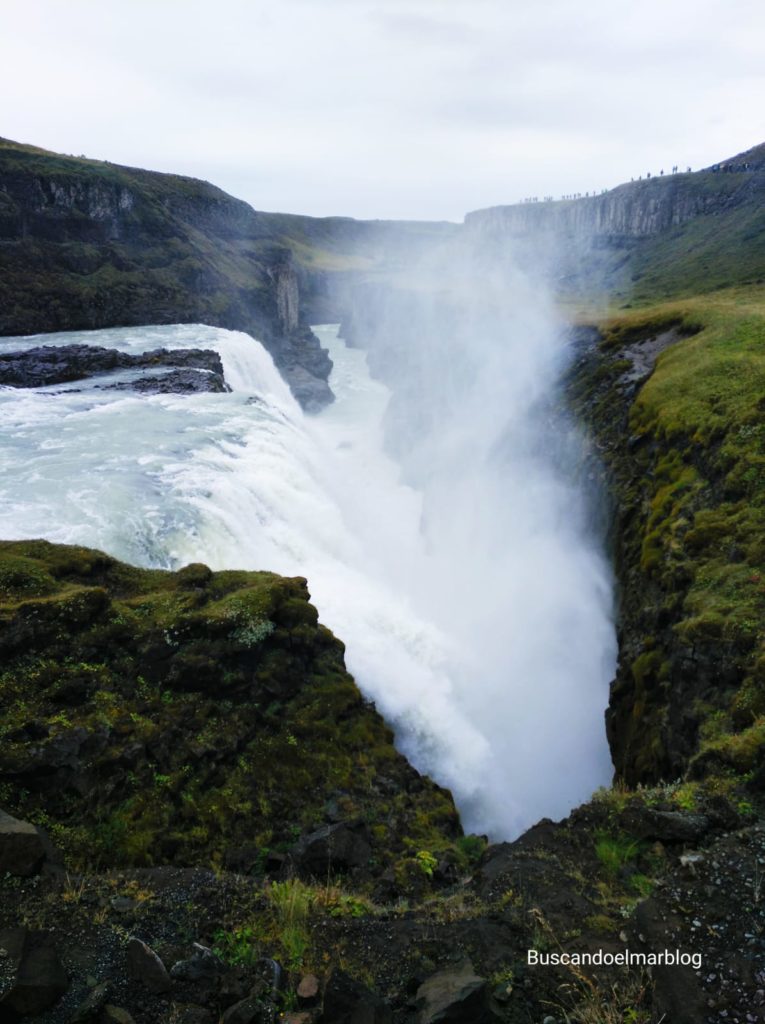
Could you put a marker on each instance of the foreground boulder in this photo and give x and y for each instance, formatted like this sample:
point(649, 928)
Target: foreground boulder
point(348, 1002)
point(146, 967)
point(340, 848)
point(248, 1011)
point(454, 996)
point(22, 850)
point(33, 977)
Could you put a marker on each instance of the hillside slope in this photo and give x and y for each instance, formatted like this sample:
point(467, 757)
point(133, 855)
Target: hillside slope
point(656, 238)
point(88, 244)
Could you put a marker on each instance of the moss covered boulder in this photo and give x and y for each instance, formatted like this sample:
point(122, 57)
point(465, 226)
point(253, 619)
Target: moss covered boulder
point(192, 717)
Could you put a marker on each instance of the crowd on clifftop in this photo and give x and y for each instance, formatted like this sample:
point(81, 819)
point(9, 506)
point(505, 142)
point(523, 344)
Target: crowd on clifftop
point(729, 168)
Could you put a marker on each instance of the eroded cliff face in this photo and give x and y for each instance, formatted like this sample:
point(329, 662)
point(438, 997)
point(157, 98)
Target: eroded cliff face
point(684, 466)
point(101, 204)
point(86, 245)
point(665, 236)
point(639, 209)
point(636, 210)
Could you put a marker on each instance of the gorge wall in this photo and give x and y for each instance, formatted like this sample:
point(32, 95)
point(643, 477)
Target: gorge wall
point(645, 239)
point(85, 244)
point(638, 209)
point(89, 244)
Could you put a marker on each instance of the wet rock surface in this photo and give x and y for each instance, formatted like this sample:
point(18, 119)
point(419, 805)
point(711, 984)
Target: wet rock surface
point(186, 371)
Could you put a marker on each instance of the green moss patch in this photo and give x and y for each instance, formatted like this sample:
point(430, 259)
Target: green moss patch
point(149, 716)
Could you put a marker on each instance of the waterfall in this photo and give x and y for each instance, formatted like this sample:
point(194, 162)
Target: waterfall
point(459, 569)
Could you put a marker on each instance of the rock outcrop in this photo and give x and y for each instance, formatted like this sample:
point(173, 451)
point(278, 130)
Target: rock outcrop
point(667, 235)
point(195, 714)
point(179, 371)
point(638, 209)
point(22, 847)
point(35, 978)
point(87, 244)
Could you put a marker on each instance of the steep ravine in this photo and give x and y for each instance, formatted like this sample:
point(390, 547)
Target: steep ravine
point(164, 730)
point(114, 726)
point(683, 453)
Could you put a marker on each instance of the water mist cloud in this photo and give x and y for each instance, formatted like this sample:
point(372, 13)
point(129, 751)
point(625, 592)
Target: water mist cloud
point(435, 509)
point(511, 567)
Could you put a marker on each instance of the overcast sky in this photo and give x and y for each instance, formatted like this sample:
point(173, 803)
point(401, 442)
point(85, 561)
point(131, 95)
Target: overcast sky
point(387, 108)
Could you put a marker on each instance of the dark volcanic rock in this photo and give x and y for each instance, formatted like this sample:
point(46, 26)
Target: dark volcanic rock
point(175, 382)
point(668, 826)
point(190, 370)
point(38, 980)
point(146, 967)
point(455, 996)
point(22, 851)
point(348, 1002)
point(202, 965)
point(92, 1004)
point(116, 1015)
point(247, 1011)
point(342, 847)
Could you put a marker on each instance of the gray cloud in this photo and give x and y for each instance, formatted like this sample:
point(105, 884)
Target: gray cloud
point(418, 108)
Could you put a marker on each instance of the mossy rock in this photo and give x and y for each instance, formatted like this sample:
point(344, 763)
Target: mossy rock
point(684, 457)
point(150, 716)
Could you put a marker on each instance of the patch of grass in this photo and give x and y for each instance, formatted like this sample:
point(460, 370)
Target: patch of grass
point(239, 947)
point(291, 902)
point(615, 852)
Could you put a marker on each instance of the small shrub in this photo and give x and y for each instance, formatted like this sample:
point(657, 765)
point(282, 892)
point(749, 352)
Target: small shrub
point(426, 862)
point(238, 948)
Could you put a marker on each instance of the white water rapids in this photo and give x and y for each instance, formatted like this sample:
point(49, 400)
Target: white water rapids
point(485, 640)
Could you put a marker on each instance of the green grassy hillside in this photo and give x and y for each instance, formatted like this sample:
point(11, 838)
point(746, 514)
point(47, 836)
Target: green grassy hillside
point(702, 255)
point(687, 459)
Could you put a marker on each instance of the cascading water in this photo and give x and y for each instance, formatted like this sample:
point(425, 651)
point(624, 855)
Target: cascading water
point(474, 607)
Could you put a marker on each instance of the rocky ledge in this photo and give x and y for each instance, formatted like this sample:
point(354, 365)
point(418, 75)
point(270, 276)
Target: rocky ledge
point(179, 371)
point(641, 872)
point(204, 821)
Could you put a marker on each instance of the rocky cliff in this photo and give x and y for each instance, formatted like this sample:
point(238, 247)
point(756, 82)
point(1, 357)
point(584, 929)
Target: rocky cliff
point(85, 244)
point(88, 244)
point(203, 820)
point(638, 209)
point(659, 236)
